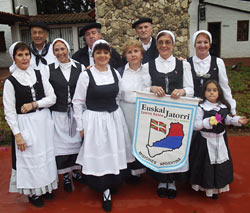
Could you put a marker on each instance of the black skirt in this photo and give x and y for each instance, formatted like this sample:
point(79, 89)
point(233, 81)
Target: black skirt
point(109, 181)
point(202, 172)
point(66, 161)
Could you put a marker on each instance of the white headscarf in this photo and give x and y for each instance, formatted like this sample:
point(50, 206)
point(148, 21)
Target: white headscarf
point(63, 41)
point(13, 67)
point(199, 32)
point(100, 41)
point(168, 32)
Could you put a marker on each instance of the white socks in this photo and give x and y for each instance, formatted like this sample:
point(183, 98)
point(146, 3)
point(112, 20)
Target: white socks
point(172, 186)
point(162, 185)
point(107, 194)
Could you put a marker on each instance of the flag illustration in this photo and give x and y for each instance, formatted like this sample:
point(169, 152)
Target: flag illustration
point(158, 125)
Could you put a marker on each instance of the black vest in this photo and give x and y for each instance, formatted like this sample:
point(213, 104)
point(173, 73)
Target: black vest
point(23, 93)
point(220, 127)
point(175, 77)
point(151, 53)
point(199, 81)
point(102, 98)
point(60, 85)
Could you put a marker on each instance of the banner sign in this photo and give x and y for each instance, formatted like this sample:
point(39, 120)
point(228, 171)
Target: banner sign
point(163, 131)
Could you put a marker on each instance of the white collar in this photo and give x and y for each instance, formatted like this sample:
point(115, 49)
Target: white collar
point(198, 60)
point(90, 51)
point(72, 62)
point(207, 105)
point(127, 68)
point(169, 59)
point(19, 71)
point(146, 46)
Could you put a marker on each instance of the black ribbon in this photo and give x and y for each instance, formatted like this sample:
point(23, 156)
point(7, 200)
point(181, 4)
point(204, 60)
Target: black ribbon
point(37, 55)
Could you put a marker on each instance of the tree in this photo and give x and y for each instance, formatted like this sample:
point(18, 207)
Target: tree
point(64, 6)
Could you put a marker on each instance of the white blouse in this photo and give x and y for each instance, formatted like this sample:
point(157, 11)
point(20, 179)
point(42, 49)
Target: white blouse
point(202, 67)
point(168, 65)
point(65, 68)
point(79, 99)
point(201, 123)
point(132, 81)
point(26, 78)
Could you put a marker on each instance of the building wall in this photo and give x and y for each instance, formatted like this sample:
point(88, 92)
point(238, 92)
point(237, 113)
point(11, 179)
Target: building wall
point(116, 17)
point(5, 60)
point(31, 4)
point(230, 47)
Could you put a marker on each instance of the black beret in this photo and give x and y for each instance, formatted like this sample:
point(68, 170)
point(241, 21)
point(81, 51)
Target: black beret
point(141, 20)
point(39, 24)
point(89, 26)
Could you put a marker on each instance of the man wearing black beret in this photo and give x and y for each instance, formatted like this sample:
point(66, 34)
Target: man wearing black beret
point(41, 50)
point(91, 33)
point(143, 28)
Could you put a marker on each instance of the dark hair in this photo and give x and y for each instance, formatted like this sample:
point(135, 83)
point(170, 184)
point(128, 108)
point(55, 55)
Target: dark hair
point(101, 46)
point(20, 46)
point(221, 99)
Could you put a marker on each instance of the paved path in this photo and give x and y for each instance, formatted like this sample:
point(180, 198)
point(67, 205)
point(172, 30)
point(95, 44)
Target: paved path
point(140, 198)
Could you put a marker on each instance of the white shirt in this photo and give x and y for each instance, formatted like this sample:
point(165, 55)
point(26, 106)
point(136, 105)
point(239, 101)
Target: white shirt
point(201, 123)
point(202, 67)
point(91, 59)
point(50, 58)
point(79, 99)
point(132, 81)
point(65, 68)
point(168, 65)
point(146, 46)
point(26, 78)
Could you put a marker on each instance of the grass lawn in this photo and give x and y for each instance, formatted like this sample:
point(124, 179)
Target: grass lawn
point(239, 81)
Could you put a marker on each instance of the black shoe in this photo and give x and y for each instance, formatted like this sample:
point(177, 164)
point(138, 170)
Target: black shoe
point(171, 193)
point(106, 203)
point(36, 201)
point(78, 178)
point(133, 179)
point(162, 192)
point(67, 186)
point(48, 196)
point(215, 196)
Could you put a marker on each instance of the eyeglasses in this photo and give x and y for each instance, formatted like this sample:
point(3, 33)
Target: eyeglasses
point(167, 42)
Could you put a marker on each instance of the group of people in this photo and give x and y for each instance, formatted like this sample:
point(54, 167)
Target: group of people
point(75, 116)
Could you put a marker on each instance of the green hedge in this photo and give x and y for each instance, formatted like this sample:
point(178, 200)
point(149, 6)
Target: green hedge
point(239, 81)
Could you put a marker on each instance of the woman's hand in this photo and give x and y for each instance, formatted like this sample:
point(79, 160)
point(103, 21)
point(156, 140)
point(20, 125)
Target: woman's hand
point(20, 142)
point(177, 93)
point(243, 120)
point(82, 133)
point(158, 91)
point(26, 108)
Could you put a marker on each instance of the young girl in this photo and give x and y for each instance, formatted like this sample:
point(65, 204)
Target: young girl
point(210, 161)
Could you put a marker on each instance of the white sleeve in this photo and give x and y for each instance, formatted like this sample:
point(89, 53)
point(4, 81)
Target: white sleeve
point(118, 97)
point(188, 84)
point(50, 97)
point(146, 82)
point(232, 120)
point(201, 123)
point(223, 81)
point(9, 102)
point(45, 71)
point(79, 99)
